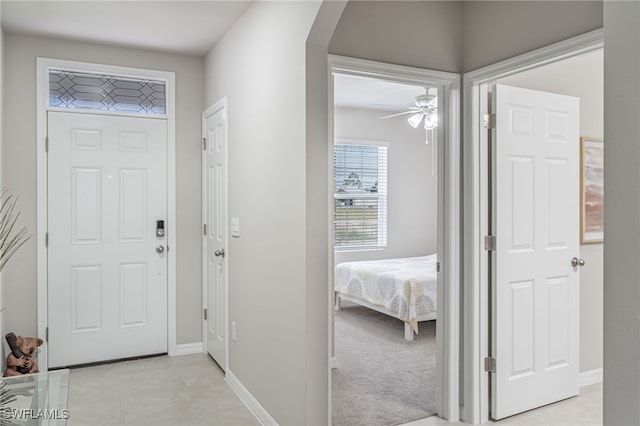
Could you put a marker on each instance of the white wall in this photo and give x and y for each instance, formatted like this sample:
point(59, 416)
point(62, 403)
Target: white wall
point(581, 77)
point(498, 30)
point(622, 213)
point(19, 166)
point(412, 200)
point(260, 65)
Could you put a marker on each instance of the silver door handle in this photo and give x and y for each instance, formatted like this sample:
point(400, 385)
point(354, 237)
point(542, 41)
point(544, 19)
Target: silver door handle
point(159, 249)
point(575, 262)
point(219, 253)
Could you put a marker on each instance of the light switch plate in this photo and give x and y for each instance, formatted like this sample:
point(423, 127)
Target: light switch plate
point(235, 227)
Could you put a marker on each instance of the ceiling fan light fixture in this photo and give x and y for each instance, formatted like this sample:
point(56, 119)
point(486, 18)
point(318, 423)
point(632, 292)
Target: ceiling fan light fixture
point(415, 119)
point(430, 121)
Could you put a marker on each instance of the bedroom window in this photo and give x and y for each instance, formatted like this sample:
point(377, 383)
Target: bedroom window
point(360, 194)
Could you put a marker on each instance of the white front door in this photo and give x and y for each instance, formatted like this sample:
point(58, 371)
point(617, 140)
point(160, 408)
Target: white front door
point(535, 307)
point(107, 277)
point(215, 235)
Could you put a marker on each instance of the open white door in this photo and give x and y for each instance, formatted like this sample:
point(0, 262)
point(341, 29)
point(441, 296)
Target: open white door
point(214, 131)
point(535, 312)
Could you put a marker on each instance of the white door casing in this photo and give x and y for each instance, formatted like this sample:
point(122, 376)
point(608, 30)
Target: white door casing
point(107, 187)
point(449, 211)
point(535, 309)
point(476, 199)
point(214, 185)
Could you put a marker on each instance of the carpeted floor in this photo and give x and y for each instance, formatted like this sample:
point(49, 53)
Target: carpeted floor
point(381, 378)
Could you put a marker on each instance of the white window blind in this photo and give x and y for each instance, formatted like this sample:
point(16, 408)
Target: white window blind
point(360, 194)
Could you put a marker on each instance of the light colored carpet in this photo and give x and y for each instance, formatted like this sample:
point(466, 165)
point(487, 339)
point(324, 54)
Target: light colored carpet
point(381, 378)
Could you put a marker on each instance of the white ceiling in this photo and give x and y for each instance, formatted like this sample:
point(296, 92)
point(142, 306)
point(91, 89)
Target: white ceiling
point(179, 26)
point(369, 93)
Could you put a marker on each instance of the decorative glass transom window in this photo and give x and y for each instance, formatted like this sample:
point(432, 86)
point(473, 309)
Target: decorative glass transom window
point(360, 194)
point(78, 90)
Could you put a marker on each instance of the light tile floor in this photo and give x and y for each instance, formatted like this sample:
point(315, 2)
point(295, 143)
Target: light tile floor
point(583, 410)
point(182, 390)
point(190, 390)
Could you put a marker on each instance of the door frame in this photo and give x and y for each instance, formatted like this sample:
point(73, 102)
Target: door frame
point(220, 105)
point(449, 212)
point(476, 296)
point(42, 94)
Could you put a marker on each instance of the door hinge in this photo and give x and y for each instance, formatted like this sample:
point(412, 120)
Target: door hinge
point(205, 314)
point(46, 239)
point(46, 334)
point(204, 144)
point(46, 144)
point(489, 121)
point(490, 243)
point(490, 364)
point(437, 266)
point(204, 229)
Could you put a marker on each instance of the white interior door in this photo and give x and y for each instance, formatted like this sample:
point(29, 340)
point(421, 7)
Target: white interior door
point(535, 308)
point(107, 277)
point(215, 235)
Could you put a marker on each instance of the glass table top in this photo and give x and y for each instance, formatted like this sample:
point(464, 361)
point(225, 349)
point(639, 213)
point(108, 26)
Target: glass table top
point(35, 399)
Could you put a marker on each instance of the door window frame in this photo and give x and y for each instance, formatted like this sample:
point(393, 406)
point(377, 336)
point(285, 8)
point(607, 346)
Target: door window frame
point(42, 104)
point(476, 299)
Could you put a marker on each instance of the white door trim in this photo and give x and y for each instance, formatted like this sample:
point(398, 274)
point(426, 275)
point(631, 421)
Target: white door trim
point(449, 220)
point(42, 92)
point(222, 104)
point(476, 282)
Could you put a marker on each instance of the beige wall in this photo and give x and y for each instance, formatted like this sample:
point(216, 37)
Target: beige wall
point(457, 36)
point(260, 66)
point(622, 214)
point(412, 201)
point(19, 167)
point(497, 30)
point(581, 77)
point(423, 34)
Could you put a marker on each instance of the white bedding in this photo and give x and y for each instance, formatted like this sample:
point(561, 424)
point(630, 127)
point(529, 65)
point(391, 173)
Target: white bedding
point(405, 287)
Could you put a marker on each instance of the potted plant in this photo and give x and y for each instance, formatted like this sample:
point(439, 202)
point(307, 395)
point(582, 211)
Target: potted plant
point(10, 242)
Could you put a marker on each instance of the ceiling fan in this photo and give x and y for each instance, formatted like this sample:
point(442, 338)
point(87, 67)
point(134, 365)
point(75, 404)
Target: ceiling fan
point(426, 109)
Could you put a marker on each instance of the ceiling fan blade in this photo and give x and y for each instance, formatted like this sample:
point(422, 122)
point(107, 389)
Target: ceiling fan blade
point(395, 115)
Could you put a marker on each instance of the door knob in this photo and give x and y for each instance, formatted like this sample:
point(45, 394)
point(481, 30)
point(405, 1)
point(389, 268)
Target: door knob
point(160, 249)
point(575, 262)
point(219, 253)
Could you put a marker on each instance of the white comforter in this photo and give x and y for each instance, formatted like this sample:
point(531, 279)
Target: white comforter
point(406, 287)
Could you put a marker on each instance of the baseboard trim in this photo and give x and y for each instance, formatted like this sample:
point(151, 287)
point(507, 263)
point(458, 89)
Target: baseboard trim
point(590, 377)
point(249, 400)
point(189, 348)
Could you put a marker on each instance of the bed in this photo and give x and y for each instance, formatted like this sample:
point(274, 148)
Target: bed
point(402, 288)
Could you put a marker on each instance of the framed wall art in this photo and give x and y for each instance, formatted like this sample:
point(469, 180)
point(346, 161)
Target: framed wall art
point(591, 190)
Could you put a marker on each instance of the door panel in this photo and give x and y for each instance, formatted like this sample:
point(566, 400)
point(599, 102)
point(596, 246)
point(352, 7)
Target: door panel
point(215, 240)
point(535, 289)
point(106, 189)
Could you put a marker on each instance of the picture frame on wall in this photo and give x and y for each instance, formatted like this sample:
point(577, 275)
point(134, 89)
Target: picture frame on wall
point(591, 190)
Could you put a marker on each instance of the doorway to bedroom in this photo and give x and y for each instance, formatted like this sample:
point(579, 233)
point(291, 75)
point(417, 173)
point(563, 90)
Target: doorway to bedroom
point(386, 191)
